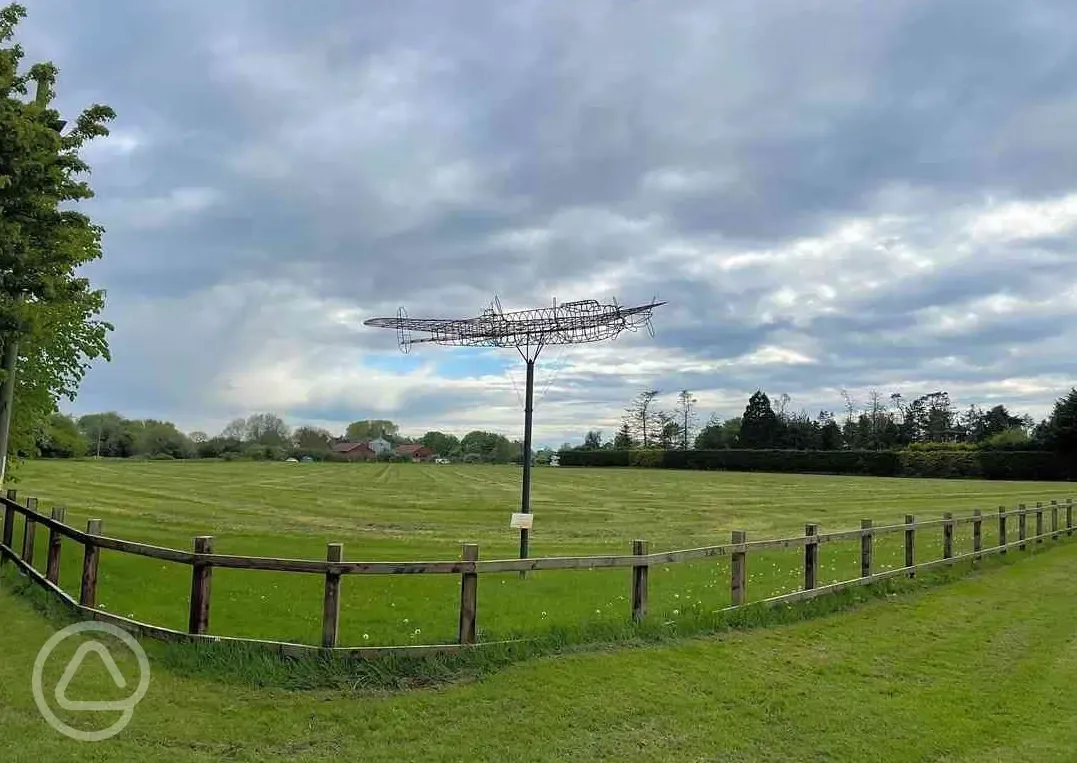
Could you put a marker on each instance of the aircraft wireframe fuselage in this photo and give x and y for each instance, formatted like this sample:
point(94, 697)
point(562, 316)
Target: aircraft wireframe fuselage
point(568, 323)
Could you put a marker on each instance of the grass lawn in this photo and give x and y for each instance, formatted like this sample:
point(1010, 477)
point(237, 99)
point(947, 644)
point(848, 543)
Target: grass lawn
point(982, 669)
point(425, 511)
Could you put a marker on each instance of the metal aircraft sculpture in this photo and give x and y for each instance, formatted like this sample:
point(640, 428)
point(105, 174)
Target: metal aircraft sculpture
point(528, 331)
point(568, 323)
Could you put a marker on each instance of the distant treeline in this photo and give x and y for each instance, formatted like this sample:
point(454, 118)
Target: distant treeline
point(942, 462)
point(885, 423)
point(925, 438)
point(259, 437)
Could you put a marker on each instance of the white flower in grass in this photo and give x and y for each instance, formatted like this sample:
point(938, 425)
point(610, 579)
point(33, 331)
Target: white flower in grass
point(544, 614)
point(366, 637)
point(676, 596)
point(598, 611)
point(676, 612)
point(418, 631)
point(405, 621)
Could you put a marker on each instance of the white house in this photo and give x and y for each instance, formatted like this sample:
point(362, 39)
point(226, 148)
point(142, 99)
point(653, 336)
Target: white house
point(380, 445)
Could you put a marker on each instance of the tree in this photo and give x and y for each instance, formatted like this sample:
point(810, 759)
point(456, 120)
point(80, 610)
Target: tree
point(829, 432)
point(107, 434)
point(940, 419)
point(267, 429)
point(1060, 429)
point(48, 316)
point(623, 439)
point(370, 429)
point(759, 426)
point(669, 431)
point(592, 440)
point(711, 436)
point(312, 440)
point(801, 432)
point(441, 443)
point(235, 430)
point(998, 420)
point(156, 438)
point(490, 447)
point(686, 416)
point(640, 416)
point(198, 437)
point(60, 438)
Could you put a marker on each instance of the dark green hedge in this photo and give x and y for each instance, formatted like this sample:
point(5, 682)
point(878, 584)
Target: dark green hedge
point(988, 464)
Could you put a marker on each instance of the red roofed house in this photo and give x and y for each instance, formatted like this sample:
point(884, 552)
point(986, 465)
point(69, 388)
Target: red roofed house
point(415, 452)
point(354, 451)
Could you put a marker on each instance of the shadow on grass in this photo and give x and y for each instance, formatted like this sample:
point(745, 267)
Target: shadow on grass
point(254, 665)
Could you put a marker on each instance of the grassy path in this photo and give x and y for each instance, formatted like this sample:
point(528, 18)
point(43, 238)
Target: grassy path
point(984, 669)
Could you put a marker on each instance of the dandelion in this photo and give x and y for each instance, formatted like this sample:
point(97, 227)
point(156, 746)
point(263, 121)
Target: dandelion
point(544, 614)
point(676, 596)
point(676, 612)
point(418, 631)
point(366, 637)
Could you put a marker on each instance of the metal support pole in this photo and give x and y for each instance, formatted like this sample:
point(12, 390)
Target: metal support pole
point(525, 497)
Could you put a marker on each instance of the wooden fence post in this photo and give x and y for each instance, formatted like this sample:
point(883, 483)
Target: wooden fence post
point(639, 581)
point(331, 600)
point(811, 556)
point(1069, 516)
point(88, 588)
point(52, 566)
point(1039, 522)
point(469, 601)
point(201, 577)
point(910, 543)
point(1022, 526)
point(948, 535)
point(1002, 530)
point(29, 530)
point(866, 548)
point(977, 533)
point(1054, 520)
point(739, 568)
point(9, 524)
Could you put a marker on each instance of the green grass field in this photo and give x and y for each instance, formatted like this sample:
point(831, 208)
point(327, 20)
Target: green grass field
point(981, 669)
point(426, 511)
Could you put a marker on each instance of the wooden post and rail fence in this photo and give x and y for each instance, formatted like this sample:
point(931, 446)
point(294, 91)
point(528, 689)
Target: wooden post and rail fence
point(202, 560)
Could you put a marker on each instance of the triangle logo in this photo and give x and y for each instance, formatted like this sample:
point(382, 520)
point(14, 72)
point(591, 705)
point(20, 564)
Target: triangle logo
point(73, 666)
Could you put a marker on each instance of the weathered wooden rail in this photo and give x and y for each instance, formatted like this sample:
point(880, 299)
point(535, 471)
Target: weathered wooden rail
point(203, 561)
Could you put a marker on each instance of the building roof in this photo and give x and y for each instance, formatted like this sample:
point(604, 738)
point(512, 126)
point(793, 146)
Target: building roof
point(411, 448)
point(344, 447)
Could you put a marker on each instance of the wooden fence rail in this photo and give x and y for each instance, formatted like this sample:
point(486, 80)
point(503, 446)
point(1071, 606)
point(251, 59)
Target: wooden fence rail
point(203, 560)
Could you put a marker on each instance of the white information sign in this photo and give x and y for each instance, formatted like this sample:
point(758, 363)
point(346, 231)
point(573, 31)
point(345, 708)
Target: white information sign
point(521, 521)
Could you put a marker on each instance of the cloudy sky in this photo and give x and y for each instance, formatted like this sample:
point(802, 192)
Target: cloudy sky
point(829, 194)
